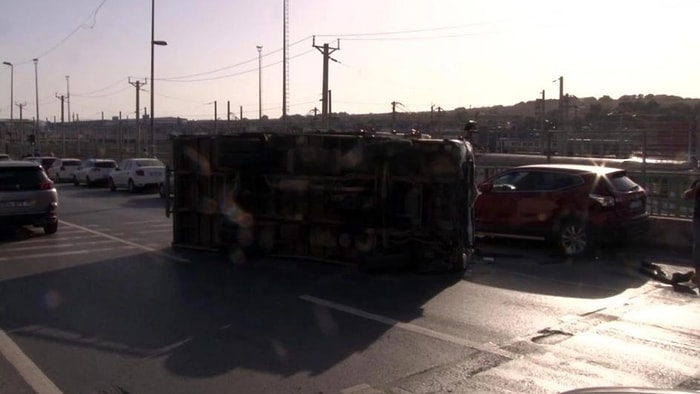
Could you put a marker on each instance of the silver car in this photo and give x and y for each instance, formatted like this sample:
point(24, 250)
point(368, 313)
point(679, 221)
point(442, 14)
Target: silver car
point(63, 169)
point(93, 171)
point(27, 196)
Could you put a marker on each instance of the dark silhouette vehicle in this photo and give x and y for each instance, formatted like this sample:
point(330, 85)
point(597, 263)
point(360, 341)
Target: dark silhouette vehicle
point(27, 196)
point(575, 206)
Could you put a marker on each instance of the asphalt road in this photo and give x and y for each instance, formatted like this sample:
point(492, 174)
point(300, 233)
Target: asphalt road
point(106, 306)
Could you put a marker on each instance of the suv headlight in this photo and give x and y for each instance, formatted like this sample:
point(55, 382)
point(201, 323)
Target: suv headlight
point(604, 201)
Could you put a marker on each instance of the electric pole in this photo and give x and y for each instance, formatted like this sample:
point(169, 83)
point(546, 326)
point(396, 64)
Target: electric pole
point(21, 123)
point(393, 114)
point(326, 50)
point(285, 65)
point(63, 128)
point(138, 84)
point(68, 96)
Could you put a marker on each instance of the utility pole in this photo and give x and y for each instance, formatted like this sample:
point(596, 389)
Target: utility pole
point(215, 118)
point(68, 96)
point(63, 128)
point(228, 115)
point(21, 123)
point(547, 133)
point(562, 118)
point(285, 65)
point(393, 114)
point(36, 87)
point(326, 50)
point(138, 84)
point(259, 47)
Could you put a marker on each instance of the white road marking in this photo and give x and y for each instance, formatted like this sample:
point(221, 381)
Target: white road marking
point(410, 327)
point(363, 388)
point(163, 230)
point(61, 245)
point(26, 367)
point(68, 253)
point(144, 221)
point(127, 242)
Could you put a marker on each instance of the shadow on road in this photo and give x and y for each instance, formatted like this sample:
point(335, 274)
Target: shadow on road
point(205, 318)
point(532, 267)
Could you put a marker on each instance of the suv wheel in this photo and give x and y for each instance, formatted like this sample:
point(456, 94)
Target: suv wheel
point(573, 238)
point(51, 228)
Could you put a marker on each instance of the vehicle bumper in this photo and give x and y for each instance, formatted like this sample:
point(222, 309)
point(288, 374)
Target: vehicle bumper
point(29, 219)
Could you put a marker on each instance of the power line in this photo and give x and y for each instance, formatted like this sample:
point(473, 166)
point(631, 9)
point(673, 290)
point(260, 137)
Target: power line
point(234, 74)
point(233, 65)
point(117, 82)
point(92, 16)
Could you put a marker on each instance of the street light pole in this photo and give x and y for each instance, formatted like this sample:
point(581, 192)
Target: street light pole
point(259, 81)
point(36, 86)
point(12, 90)
point(68, 96)
point(153, 44)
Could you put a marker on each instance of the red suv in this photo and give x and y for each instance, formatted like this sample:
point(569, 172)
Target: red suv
point(572, 205)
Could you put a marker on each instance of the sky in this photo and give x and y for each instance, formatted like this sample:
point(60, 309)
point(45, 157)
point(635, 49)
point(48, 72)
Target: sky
point(419, 53)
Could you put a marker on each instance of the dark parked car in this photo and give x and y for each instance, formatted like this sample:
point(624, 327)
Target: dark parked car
point(27, 196)
point(572, 205)
point(45, 161)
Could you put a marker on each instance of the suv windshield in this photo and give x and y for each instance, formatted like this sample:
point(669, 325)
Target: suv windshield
point(21, 178)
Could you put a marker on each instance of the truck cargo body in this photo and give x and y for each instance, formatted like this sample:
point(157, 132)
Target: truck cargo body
point(354, 198)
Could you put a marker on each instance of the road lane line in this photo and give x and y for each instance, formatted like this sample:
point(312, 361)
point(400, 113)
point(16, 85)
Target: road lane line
point(156, 230)
point(144, 221)
point(68, 253)
point(61, 245)
point(126, 242)
point(410, 327)
point(26, 367)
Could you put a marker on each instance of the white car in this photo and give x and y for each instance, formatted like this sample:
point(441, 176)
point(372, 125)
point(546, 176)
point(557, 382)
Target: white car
point(93, 171)
point(63, 169)
point(136, 174)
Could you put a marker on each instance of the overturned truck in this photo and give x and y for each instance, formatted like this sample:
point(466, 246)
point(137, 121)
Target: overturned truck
point(359, 198)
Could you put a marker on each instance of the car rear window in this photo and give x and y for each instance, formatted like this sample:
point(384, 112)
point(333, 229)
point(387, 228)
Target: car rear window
point(21, 178)
point(622, 183)
point(105, 164)
point(71, 162)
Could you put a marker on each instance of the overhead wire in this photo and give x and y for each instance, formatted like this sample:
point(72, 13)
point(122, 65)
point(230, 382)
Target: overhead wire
point(235, 65)
point(92, 16)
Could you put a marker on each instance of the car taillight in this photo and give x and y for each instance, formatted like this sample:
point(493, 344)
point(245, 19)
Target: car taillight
point(139, 172)
point(46, 185)
point(604, 201)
